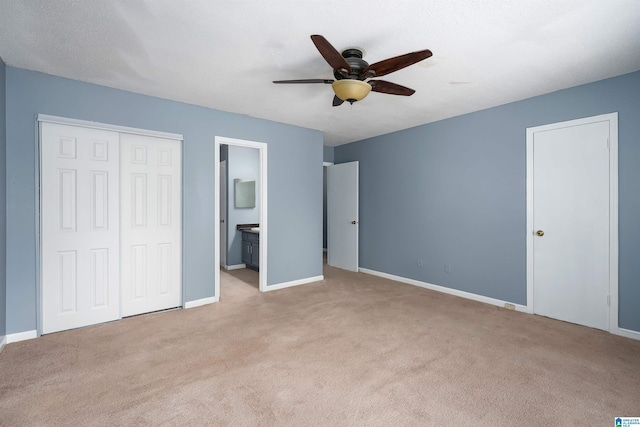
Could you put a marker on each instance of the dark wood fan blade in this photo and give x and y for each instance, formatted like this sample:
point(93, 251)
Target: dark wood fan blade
point(390, 88)
point(328, 82)
point(330, 54)
point(337, 101)
point(397, 63)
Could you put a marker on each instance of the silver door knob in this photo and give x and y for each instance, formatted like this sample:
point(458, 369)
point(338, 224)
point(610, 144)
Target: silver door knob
point(540, 233)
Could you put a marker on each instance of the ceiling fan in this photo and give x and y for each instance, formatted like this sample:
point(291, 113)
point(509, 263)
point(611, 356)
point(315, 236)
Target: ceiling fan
point(351, 71)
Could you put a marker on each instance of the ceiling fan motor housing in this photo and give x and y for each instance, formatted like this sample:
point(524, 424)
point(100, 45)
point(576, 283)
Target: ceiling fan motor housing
point(353, 57)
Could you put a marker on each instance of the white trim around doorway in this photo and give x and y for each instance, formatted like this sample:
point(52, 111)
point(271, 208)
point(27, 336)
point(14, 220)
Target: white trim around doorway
point(262, 150)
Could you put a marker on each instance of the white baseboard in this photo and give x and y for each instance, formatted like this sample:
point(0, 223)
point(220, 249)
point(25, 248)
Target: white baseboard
point(3, 342)
point(294, 283)
point(523, 308)
point(199, 302)
point(21, 336)
point(628, 333)
point(235, 267)
point(444, 289)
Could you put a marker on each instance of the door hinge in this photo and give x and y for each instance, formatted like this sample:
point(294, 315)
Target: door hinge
point(608, 143)
point(608, 299)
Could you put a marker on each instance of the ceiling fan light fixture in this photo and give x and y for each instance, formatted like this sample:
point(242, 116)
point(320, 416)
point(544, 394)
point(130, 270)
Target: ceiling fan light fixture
point(351, 90)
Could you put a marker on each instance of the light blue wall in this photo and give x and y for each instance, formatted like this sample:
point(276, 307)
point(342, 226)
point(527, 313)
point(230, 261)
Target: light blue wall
point(328, 154)
point(3, 203)
point(243, 163)
point(453, 192)
point(294, 180)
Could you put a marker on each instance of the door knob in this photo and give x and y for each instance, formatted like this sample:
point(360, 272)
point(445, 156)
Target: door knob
point(222, 221)
point(540, 233)
point(354, 222)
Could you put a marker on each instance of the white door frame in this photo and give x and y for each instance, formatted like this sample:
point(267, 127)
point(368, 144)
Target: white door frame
point(46, 118)
point(612, 118)
point(262, 150)
point(222, 226)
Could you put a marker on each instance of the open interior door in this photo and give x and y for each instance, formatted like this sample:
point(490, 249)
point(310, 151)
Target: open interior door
point(342, 216)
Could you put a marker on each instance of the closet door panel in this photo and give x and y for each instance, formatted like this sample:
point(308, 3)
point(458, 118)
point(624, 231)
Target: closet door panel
point(151, 224)
point(79, 177)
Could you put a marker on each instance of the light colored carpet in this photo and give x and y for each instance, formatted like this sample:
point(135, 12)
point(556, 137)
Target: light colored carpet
point(351, 350)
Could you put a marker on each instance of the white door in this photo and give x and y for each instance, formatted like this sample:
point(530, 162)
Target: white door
point(571, 224)
point(79, 226)
point(223, 213)
point(342, 216)
point(150, 224)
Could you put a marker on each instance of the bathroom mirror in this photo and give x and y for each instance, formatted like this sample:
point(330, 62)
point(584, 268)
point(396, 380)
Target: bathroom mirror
point(245, 193)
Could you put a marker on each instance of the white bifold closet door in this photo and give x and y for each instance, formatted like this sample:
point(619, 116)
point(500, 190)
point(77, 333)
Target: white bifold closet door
point(150, 224)
point(79, 226)
point(110, 225)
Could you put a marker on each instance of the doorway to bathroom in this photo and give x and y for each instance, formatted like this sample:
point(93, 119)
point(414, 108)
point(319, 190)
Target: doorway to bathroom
point(243, 224)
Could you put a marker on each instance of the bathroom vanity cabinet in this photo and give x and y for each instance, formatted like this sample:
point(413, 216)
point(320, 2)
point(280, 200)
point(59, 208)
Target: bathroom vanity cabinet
point(251, 249)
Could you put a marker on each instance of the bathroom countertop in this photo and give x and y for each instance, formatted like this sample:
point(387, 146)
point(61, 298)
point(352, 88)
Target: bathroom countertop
point(250, 231)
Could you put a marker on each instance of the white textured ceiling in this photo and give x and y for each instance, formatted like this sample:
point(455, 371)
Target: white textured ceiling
point(224, 53)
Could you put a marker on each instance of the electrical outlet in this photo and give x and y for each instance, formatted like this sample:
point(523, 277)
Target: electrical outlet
point(447, 268)
point(509, 306)
point(420, 263)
